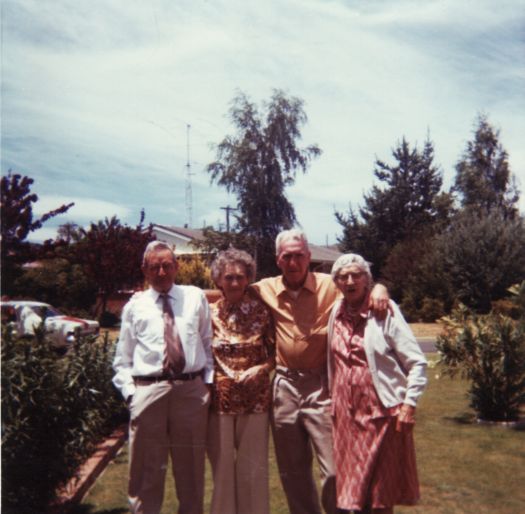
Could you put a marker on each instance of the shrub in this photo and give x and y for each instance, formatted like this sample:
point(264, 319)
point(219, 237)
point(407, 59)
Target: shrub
point(60, 283)
point(430, 310)
point(489, 350)
point(54, 411)
point(193, 271)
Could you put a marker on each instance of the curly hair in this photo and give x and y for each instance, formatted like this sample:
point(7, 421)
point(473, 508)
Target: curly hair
point(232, 256)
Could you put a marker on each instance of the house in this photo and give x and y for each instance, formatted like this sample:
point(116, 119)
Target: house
point(180, 237)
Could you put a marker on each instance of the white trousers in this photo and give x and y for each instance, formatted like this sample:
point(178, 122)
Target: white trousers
point(238, 452)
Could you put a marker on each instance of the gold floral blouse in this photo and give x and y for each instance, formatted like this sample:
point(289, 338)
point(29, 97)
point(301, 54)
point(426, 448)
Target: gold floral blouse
point(243, 337)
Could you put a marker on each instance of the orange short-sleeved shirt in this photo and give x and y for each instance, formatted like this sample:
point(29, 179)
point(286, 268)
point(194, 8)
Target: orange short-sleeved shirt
point(300, 323)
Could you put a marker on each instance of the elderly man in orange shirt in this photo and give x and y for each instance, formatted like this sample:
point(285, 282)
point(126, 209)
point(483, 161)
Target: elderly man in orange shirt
point(301, 301)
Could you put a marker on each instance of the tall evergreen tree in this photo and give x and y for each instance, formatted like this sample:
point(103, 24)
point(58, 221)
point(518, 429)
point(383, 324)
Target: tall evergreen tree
point(409, 204)
point(258, 162)
point(483, 177)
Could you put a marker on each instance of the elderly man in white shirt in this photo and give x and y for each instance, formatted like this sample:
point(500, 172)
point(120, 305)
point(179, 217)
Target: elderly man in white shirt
point(162, 363)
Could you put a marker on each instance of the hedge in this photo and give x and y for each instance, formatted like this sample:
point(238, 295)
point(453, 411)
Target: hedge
point(55, 409)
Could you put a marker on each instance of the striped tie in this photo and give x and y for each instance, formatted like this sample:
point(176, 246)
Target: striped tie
point(174, 361)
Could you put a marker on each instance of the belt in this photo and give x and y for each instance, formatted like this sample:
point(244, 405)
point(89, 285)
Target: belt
point(146, 380)
point(296, 374)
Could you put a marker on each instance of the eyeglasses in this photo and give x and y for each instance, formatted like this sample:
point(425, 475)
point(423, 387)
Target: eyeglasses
point(356, 275)
point(166, 266)
point(290, 256)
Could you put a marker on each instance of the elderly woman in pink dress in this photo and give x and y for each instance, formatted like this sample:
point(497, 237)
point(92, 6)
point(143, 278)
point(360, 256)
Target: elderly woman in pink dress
point(377, 373)
point(244, 355)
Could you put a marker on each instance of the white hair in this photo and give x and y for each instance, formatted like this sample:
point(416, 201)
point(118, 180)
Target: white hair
point(156, 246)
point(295, 234)
point(351, 259)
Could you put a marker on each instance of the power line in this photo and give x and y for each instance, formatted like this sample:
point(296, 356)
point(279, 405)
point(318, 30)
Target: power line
point(228, 209)
point(189, 196)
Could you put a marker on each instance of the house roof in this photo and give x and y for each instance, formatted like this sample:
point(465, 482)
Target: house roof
point(186, 233)
point(324, 253)
point(320, 254)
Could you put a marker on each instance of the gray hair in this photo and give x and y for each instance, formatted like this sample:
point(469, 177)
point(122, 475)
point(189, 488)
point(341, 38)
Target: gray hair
point(157, 246)
point(352, 259)
point(232, 256)
point(295, 234)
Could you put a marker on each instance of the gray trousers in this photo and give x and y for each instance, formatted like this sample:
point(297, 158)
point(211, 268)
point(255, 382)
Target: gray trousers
point(302, 425)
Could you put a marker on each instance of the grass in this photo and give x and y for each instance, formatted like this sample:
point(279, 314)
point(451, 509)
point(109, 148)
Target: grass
point(463, 467)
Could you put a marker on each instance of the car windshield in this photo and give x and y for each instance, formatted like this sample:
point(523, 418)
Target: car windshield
point(51, 311)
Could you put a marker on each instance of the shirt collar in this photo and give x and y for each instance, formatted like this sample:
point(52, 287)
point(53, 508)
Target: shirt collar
point(309, 284)
point(363, 312)
point(156, 295)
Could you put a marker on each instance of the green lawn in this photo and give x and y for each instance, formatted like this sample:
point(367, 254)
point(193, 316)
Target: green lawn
point(463, 467)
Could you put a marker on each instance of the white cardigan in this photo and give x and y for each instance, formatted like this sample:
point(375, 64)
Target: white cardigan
point(396, 362)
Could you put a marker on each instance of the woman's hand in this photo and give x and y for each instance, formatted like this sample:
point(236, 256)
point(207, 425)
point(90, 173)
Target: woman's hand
point(249, 375)
point(406, 418)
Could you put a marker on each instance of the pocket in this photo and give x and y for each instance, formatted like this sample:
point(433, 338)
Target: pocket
point(275, 387)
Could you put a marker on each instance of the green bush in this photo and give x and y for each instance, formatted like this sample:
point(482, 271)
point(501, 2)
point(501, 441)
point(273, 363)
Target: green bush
point(193, 271)
point(59, 282)
point(488, 350)
point(54, 411)
point(430, 310)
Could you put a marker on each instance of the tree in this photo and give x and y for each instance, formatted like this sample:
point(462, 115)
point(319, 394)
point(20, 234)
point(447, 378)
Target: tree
point(68, 232)
point(17, 222)
point(111, 254)
point(483, 177)
point(474, 261)
point(214, 241)
point(258, 163)
point(60, 282)
point(409, 206)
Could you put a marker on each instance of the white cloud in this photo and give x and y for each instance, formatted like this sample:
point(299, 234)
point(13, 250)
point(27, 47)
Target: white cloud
point(42, 234)
point(97, 96)
point(84, 210)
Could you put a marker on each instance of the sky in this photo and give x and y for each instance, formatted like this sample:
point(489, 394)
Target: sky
point(97, 96)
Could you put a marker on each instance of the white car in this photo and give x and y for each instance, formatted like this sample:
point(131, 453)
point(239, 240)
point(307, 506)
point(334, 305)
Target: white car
point(63, 330)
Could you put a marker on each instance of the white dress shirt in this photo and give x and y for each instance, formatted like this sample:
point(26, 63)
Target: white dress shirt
point(140, 349)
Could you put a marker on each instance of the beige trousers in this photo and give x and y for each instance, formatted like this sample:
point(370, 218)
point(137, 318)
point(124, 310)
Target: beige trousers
point(238, 452)
point(167, 419)
point(301, 421)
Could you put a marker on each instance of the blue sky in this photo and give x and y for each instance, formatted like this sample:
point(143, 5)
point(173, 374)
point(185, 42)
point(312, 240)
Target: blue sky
point(97, 95)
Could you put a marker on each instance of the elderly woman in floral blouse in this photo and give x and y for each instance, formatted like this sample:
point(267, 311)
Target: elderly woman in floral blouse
point(243, 350)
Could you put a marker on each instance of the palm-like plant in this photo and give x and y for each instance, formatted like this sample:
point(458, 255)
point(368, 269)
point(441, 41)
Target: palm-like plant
point(488, 350)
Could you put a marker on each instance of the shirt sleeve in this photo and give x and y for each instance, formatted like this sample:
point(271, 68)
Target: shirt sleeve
point(206, 336)
point(408, 351)
point(123, 361)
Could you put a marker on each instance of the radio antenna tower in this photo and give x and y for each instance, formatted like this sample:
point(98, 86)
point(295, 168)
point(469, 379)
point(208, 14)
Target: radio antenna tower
point(189, 206)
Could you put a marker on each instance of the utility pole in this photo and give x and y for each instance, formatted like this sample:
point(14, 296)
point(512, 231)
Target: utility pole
point(228, 209)
point(189, 200)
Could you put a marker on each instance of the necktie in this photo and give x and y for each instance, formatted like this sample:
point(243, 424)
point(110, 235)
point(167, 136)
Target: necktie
point(174, 361)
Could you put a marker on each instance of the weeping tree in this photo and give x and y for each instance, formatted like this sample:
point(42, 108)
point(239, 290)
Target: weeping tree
point(257, 163)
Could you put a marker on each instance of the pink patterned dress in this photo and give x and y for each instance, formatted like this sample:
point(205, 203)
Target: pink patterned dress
point(375, 465)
